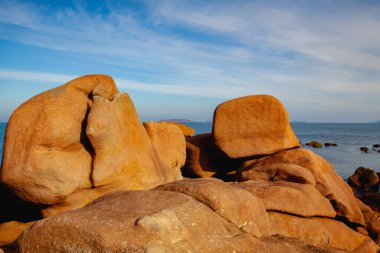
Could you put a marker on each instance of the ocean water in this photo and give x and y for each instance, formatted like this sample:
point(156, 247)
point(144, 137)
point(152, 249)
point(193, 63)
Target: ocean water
point(346, 157)
point(349, 137)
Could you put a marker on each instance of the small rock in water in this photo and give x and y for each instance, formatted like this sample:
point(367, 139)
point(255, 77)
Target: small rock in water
point(376, 145)
point(364, 149)
point(364, 178)
point(314, 144)
point(329, 144)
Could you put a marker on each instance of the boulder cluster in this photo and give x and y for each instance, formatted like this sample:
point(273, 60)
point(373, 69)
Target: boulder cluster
point(82, 173)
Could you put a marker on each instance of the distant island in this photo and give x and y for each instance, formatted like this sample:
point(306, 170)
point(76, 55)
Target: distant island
point(177, 120)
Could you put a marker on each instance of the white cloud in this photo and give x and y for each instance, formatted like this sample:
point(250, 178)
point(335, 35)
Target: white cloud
point(298, 52)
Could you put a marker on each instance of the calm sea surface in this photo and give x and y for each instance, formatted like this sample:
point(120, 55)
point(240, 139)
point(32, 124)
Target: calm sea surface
point(346, 157)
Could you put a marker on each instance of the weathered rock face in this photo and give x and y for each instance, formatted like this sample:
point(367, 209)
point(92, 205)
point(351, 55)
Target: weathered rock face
point(46, 155)
point(123, 151)
point(319, 231)
point(140, 221)
point(372, 220)
point(235, 205)
point(252, 125)
point(169, 142)
point(162, 221)
point(10, 231)
point(286, 197)
point(204, 160)
point(198, 156)
point(186, 130)
point(276, 172)
point(79, 137)
point(329, 184)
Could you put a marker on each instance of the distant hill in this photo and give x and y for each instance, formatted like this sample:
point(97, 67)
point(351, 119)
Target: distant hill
point(177, 120)
point(377, 122)
point(298, 121)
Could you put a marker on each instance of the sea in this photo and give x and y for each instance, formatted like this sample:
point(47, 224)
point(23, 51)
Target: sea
point(349, 137)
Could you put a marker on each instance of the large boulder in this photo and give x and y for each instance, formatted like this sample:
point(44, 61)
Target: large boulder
point(139, 221)
point(364, 178)
point(78, 137)
point(234, 204)
point(152, 221)
point(287, 197)
point(320, 232)
point(169, 142)
point(276, 172)
point(328, 182)
point(46, 153)
point(251, 126)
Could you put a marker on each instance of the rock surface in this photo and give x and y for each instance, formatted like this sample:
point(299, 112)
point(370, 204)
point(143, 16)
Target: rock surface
point(235, 205)
point(140, 221)
point(10, 231)
point(363, 178)
point(276, 172)
point(169, 142)
point(328, 182)
point(372, 220)
point(51, 157)
point(317, 231)
point(286, 197)
point(251, 126)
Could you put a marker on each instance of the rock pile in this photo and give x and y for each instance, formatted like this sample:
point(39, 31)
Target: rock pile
point(105, 182)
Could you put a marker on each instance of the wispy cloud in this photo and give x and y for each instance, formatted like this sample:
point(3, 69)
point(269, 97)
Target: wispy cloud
point(301, 52)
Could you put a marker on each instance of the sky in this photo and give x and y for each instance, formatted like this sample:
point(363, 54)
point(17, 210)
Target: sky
point(180, 59)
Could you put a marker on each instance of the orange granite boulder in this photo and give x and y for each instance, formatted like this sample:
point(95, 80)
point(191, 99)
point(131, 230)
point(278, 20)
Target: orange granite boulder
point(251, 126)
point(140, 221)
point(46, 153)
point(234, 204)
point(321, 232)
point(276, 172)
point(124, 155)
point(287, 197)
point(65, 143)
point(170, 145)
point(328, 182)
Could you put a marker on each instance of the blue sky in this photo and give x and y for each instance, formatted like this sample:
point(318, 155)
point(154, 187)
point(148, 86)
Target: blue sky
point(180, 59)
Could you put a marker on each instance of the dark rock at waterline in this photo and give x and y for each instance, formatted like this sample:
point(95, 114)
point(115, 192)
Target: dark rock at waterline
point(364, 149)
point(364, 178)
point(329, 144)
point(376, 145)
point(314, 144)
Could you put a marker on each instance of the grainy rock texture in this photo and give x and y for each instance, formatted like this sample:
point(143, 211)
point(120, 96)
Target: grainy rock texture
point(276, 172)
point(328, 182)
point(51, 157)
point(236, 205)
point(169, 143)
point(252, 125)
point(286, 197)
point(318, 231)
point(140, 221)
point(124, 154)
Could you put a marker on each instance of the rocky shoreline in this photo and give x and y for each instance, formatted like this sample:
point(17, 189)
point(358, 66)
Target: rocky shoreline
point(86, 175)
